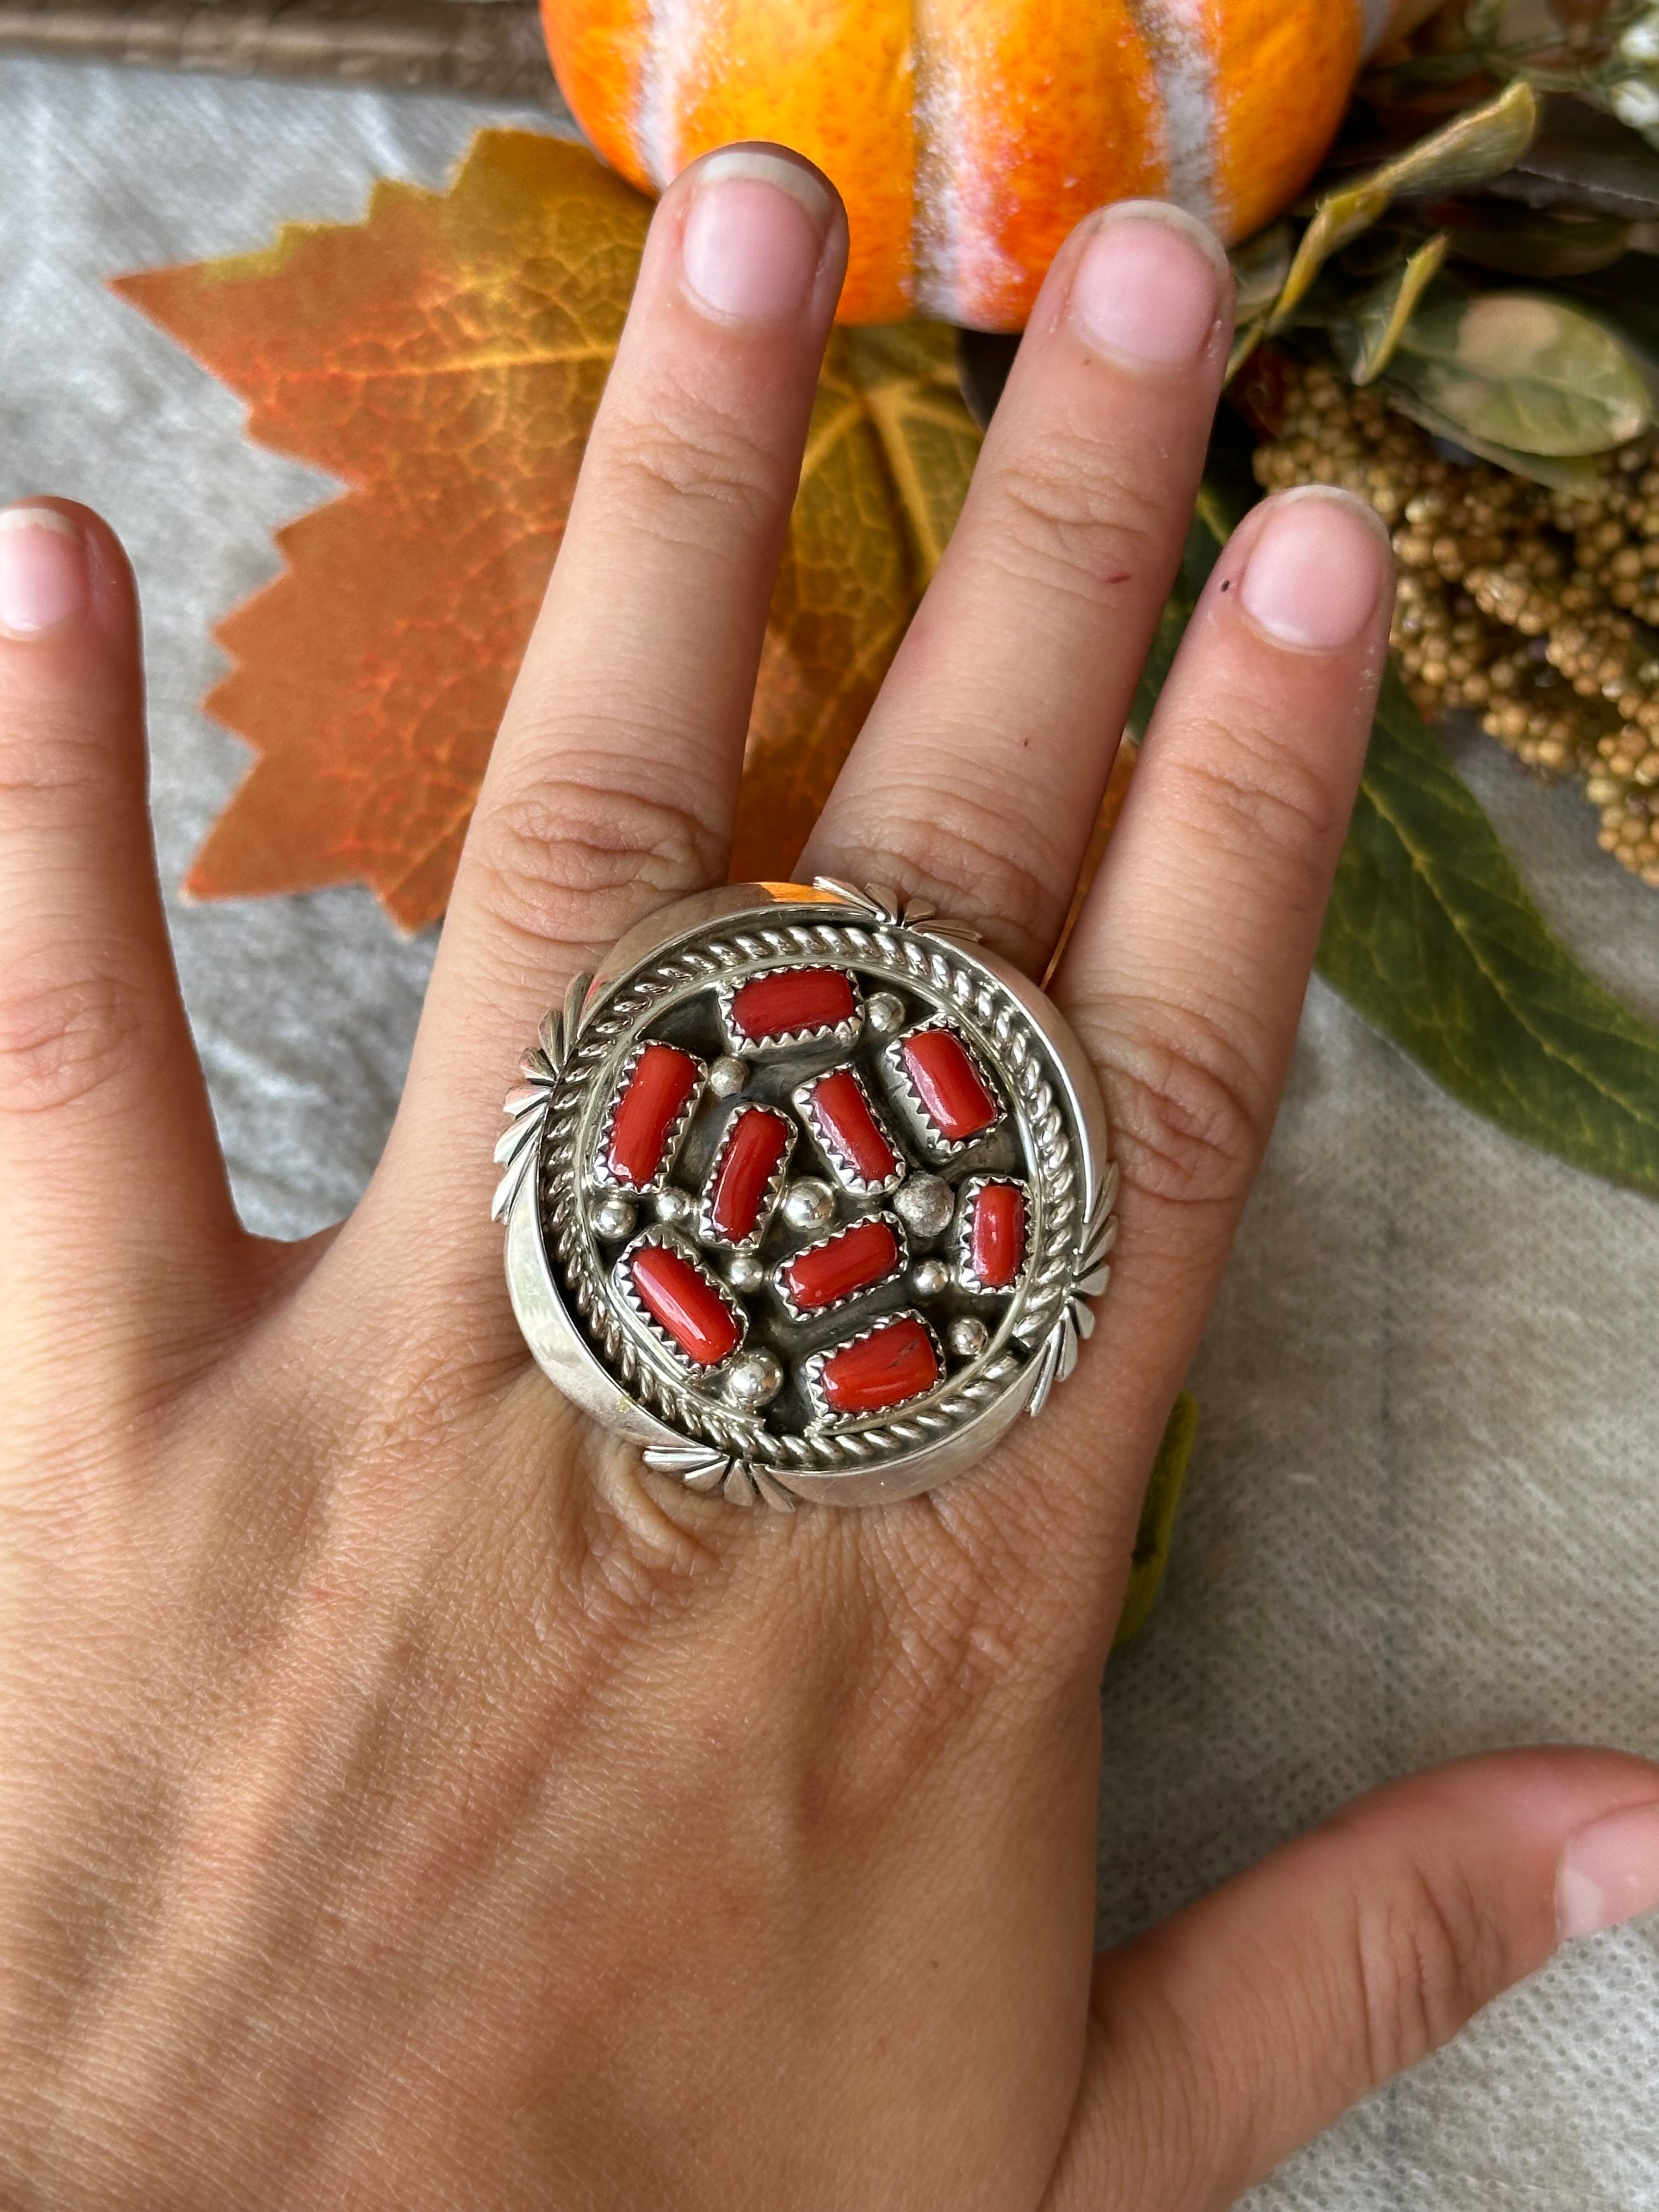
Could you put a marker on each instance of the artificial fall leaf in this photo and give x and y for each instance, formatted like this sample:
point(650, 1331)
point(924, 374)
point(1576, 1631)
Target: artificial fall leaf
point(446, 357)
point(888, 455)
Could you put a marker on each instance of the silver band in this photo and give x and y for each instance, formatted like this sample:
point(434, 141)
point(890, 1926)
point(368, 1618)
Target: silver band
point(849, 1295)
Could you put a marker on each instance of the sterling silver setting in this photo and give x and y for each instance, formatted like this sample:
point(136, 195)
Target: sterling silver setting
point(911, 1406)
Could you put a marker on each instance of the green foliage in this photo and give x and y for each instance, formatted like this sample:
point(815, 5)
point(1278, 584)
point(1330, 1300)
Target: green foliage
point(1562, 471)
point(1480, 144)
point(1433, 937)
point(1555, 190)
point(1524, 370)
point(1367, 339)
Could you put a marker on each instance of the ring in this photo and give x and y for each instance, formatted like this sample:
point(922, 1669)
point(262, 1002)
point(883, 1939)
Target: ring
point(807, 1193)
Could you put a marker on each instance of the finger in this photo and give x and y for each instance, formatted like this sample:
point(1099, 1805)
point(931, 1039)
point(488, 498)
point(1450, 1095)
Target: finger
point(1226, 2038)
point(1187, 972)
point(613, 785)
point(979, 776)
point(112, 1187)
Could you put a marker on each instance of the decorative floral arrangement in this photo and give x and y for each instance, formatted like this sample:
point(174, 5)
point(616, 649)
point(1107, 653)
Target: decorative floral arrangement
point(1470, 338)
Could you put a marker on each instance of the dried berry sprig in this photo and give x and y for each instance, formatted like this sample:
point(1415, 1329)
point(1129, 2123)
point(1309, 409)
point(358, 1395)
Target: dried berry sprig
point(1527, 606)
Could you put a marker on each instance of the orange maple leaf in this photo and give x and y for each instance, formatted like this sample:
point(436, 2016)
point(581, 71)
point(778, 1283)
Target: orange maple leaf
point(445, 357)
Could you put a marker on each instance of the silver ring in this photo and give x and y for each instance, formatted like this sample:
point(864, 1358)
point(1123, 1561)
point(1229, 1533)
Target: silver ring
point(807, 1193)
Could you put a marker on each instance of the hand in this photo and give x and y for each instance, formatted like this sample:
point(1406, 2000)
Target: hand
point(404, 1801)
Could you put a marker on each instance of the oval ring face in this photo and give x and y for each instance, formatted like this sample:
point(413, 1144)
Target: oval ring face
point(806, 1195)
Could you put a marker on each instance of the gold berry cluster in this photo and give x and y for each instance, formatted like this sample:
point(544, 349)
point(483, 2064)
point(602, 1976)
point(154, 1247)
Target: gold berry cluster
point(1532, 608)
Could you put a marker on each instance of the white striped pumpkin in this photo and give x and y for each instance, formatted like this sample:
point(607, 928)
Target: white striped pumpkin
point(966, 136)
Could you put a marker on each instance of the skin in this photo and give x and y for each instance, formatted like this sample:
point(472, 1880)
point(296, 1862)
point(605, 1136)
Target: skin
point(407, 1802)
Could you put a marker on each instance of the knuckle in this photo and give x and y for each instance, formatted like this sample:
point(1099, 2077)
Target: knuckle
point(65, 1036)
point(51, 763)
point(1427, 1957)
point(1069, 515)
point(693, 458)
point(563, 859)
point(1188, 1117)
point(963, 862)
point(1245, 789)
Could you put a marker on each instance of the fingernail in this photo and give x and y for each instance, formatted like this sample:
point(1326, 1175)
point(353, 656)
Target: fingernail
point(1318, 568)
point(1150, 285)
point(754, 236)
point(1609, 1873)
point(43, 570)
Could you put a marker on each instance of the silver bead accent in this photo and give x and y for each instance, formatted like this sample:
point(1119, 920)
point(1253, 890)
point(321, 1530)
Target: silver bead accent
point(925, 1205)
point(930, 1278)
point(745, 1273)
point(675, 1206)
point(727, 1077)
point(885, 1012)
point(615, 1216)
point(969, 1337)
point(755, 1379)
point(809, 1204)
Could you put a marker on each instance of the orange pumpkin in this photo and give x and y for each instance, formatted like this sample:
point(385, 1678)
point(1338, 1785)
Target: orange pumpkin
point(966, 136)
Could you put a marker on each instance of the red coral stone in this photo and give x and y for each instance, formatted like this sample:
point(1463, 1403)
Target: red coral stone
point(849, 1262)
point(664, 1077)
point(754, 1144)
point(792, 999)
point(996, 1235)
point(680, 1298)
point(893, 1362)
point(843, 1112)
point(957, 1102)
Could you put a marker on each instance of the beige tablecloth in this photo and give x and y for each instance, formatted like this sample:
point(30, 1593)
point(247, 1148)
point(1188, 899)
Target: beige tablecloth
point(1421, 1518)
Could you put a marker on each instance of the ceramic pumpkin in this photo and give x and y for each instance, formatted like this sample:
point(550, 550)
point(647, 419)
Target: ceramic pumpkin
point(966, 136)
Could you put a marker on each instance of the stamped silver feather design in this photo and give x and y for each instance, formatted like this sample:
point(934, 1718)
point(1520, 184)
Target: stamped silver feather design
point(527, 1106)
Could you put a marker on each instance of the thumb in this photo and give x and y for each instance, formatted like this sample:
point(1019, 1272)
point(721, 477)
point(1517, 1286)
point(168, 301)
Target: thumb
point(1226, 2038)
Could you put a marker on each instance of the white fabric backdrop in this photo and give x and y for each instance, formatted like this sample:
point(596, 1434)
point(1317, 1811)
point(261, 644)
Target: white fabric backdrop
point(1421, 1515)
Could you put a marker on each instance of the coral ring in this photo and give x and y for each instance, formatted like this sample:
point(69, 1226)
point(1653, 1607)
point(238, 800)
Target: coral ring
point(807, 1193)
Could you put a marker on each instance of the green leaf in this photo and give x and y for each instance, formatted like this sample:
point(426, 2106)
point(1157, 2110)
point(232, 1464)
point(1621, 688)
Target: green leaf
point(1525, 369)
point(1561, 472)
point(1493, 233)
point(1480, 144)
point(1583, 158)
point(1157, 1519)
point(1627, 296)
point(1246, 339)
point(1431, 936)
point(1365, 339)
point(1473, 146)
point(1260, 265)
point(1340, 215)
